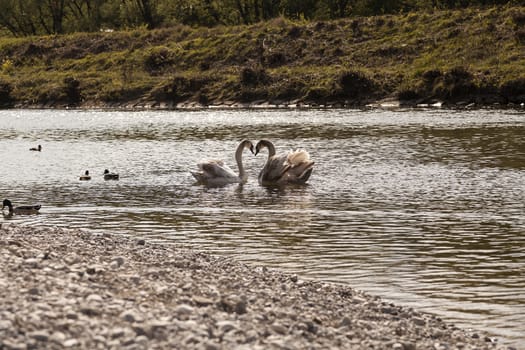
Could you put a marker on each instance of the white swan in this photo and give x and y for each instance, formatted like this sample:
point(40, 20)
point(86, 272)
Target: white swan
point(216, 173)
point(294, 167)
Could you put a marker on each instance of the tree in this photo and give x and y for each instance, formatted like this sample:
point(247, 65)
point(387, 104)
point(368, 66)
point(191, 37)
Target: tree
point(140, 12)
point(18, 17)
point(51, 15)
point(86, 14)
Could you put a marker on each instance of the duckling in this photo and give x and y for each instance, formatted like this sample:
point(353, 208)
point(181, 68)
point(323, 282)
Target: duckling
point(86, 176)
point(23, 209)
point(110, 176)
point(39, 148)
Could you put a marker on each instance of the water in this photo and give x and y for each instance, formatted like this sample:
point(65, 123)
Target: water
point(424, 208)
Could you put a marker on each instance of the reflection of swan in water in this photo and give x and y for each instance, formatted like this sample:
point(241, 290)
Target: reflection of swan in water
point(294, 167)
point(217, 173)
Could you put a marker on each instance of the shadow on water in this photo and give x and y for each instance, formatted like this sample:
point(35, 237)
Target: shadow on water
point(423, 208)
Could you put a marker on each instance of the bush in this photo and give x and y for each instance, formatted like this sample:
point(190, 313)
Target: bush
point(431, 75)
point(275, 59)
point(514, 90)
point(5, 94)
point(72, 90)
point(518, 17)
point(158, 58)
point(253, 76)
point(182, 88)
point(408, 95)
point(354, 84)
point(453, 85)
point(249, 94)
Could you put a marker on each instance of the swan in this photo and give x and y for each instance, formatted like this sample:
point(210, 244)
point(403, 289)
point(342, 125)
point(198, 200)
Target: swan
point(294, 167)
point(217, 173)
point(39, 148)
point(24, 209)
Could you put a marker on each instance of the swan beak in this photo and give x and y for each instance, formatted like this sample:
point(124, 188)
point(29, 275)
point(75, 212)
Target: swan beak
point(251, 149)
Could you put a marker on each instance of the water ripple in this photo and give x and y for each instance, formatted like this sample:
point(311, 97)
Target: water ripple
point(421, 207)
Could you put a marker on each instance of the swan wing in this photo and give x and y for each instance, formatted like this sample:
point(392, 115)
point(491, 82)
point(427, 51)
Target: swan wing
point(297, 157)
point(300, 166)
point(274, 169)
point(298, 174)
point(214, 170)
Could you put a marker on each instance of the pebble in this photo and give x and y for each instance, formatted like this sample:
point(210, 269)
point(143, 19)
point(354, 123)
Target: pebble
point(202, 301)
point(225, 326)
point(89, 310)
point(279, 328)
point(39, 335)
point(94, 298)
point(13, 345)
point(131, 316)
point(5, 324)
point(57, 337)
point(419, 321)
point(70, 343)
point(117, 262)
point(183, 309)
point(117, 332)
point(91, 291)
point(33, 291)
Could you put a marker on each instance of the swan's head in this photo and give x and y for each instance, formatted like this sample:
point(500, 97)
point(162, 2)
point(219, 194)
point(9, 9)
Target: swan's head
point(248, 145)
point(261, 144)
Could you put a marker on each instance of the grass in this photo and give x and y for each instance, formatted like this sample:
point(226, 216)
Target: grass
point(474, 55)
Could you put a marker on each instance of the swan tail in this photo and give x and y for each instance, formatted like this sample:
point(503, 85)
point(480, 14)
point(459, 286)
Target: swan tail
point(306, 175)
point(198, 176)
point(303, 171)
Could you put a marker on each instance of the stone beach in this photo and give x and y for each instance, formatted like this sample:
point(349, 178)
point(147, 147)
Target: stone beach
point(71, 289)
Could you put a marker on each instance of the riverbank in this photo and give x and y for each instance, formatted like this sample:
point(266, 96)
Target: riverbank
point(453, 58)
point(72, 289)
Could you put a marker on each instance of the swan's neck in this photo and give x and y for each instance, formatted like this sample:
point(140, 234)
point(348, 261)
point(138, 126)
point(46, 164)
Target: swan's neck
point(270, 146)
point(238, 158)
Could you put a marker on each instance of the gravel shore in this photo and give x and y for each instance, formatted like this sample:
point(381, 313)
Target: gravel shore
point(73, 289)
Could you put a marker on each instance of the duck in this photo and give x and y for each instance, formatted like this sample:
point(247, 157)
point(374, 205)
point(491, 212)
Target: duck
point(110, 176)
point(86, 176)
point(23, 209)
point(38, 148)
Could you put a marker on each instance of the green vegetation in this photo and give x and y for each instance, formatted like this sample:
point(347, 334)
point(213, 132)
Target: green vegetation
point(465, 55)
point(41, 17)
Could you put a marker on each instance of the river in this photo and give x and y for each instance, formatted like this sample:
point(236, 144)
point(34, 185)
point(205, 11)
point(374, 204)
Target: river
point(425, 208)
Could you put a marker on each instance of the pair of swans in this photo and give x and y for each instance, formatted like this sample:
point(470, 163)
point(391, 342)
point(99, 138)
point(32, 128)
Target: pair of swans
point(294, 167)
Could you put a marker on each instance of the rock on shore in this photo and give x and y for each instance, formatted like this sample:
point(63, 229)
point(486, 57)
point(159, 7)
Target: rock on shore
point(74, 289)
